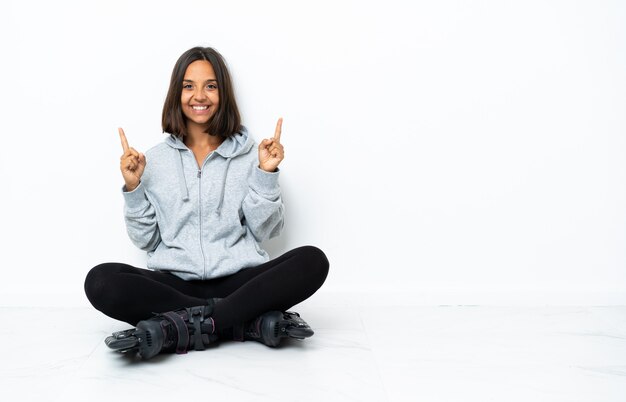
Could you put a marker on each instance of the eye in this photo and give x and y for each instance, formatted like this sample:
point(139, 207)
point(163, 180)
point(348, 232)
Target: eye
point(212, 86)
point(186, 86)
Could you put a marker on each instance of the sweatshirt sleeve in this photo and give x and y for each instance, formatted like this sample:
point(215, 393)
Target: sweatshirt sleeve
point(263, 206)
point(140, 218)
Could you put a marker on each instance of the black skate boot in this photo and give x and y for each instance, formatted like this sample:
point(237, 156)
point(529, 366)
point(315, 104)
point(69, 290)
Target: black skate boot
point(271, 327)
point(174, 331)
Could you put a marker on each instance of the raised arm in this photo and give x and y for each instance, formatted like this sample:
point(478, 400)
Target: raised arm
point(139, 214)
point(263, 206)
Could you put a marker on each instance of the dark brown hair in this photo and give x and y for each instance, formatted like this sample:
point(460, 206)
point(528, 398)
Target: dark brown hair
point(226, 121)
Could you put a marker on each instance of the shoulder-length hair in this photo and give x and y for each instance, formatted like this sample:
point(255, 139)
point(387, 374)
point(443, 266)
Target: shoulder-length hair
point(226, 121)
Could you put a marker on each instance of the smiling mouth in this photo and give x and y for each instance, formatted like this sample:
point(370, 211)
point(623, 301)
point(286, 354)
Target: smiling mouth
point(200, 107)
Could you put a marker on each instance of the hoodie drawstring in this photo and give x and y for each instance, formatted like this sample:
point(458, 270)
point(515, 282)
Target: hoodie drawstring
point(182, 182)
point(219, 205)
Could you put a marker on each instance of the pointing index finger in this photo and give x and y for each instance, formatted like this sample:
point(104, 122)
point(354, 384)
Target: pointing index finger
point(279, 126)
point(124, 140)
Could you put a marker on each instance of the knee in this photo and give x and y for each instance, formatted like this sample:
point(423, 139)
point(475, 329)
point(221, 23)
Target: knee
point(96, 283)
point(316, 262)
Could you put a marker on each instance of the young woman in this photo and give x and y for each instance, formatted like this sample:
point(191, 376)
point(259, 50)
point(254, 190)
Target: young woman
point(200, 203)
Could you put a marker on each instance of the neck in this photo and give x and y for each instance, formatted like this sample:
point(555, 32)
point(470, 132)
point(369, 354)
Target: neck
point(197, 137)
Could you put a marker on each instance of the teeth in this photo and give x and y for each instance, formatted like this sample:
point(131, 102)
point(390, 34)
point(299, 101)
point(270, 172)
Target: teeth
point(200, 107)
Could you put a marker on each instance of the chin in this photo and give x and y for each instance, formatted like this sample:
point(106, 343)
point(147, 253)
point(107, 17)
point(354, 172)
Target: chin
point(200, 122)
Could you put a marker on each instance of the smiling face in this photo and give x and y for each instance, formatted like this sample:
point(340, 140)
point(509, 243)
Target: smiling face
point(200, 96)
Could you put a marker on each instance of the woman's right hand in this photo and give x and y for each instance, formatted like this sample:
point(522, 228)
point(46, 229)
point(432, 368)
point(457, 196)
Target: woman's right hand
point(132, 164)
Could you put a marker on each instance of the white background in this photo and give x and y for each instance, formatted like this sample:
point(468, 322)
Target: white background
point(454, 151)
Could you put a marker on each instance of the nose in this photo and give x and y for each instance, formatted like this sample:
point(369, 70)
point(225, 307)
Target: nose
point(199, 95)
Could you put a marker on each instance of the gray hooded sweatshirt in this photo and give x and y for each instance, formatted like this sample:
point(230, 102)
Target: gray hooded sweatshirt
point(204, 222)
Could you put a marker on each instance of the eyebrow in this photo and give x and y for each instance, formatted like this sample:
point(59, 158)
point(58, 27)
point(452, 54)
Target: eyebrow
point(186, 80)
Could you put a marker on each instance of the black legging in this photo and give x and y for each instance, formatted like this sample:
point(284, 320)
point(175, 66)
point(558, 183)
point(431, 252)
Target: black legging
point(132, 294)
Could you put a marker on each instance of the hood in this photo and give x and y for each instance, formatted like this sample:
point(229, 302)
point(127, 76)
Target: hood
point(237, 144)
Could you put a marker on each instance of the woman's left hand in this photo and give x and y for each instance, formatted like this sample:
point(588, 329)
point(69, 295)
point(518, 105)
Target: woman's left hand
point(271, 151)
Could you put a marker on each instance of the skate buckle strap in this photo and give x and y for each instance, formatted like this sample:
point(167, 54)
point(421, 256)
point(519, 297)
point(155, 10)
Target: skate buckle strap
point(181, 330)
point(196, 318)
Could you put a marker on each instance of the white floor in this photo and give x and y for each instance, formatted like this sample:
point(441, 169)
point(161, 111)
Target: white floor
point(360, 352)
